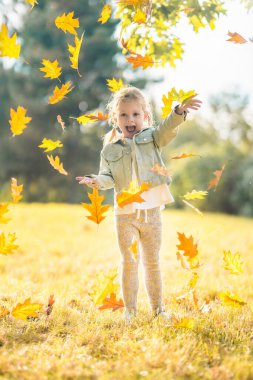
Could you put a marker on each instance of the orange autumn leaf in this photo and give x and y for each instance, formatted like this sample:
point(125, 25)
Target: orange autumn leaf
point(61, 122)
point(96, 209)
point(111, 303)
point(57, 165)
point(183, 155)
point(161, 170)
point(18, 120)
point(50, 303)
point(99, 116)
point(16, 191)
point(138, 60)
point(132, 194)
point(26, 309)
point(105, 14)
point(217, 173)
point(186, 244)
point(3, 211)
point(67, 23)
point(236, 38)
point(59, 93)
point(4, 311)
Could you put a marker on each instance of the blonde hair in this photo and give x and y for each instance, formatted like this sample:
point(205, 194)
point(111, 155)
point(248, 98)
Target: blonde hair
point(127, 93)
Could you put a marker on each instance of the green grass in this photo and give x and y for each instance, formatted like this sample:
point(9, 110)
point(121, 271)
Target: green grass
point(61, 252)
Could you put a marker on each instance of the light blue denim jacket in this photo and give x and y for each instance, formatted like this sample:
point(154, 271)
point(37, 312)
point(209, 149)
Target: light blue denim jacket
point(116, 161)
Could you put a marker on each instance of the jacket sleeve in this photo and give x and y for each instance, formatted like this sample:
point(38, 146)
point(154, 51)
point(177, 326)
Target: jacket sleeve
point(168, 129)
point(104, 178)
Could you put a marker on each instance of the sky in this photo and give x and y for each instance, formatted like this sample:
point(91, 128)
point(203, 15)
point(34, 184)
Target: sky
point(211, 64)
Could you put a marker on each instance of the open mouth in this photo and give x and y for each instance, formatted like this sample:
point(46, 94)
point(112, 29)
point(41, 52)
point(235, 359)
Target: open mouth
point(130, 128)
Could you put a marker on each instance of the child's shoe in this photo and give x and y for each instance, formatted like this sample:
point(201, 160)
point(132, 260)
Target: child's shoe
point(163, 315)
point(129, 316)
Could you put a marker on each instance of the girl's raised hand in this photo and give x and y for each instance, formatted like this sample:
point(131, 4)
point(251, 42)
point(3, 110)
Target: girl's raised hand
point(191, 103)
point(92, 182)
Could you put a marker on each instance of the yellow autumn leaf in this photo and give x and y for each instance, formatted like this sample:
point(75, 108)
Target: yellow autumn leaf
point(67, 23)
point(184, 323)
point(51, 69)
point(174, 95)
point(26, 309)
point(134, 249)
point(193, 281)
point(75, 50)
point(196, 22)
point(16, 191)
point(57, 165)
point(50, 144)
point(7, 245)
point(115, 85)
point(140, 17)
point(166, 109)
point(231, 299)
point(32, 2)
point(3, 211)
point(18, 120)
point(233, 263)
point(195, 195)
point(105, 14)
point(95, 208)
point(132, 194)
point(103, 286)
point(8, 45)
point(84, 119)
point(59, 93)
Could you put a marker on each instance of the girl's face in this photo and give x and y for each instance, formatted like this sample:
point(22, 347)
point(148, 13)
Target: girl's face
point(130, 117)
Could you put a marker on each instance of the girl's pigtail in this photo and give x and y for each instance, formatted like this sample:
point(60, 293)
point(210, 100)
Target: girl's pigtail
point(111, 136)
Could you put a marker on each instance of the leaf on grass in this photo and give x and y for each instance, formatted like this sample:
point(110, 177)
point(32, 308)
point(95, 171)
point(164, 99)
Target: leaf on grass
point(52, 70)
point(75, 51)
point(26, 309)
point(103, 286)
point(111, 303)
point(3, 211)
point(95, 208)
point(50, 303)
point(59, 93)
point(16, 191)
point(67, 23)
point(56, 163)
point(236, 38)
point(193, 207)
point(195, 195)
point(105, 14)
point(8, 45)
point(183, 323)
point(4, 311)
point(132, 194)
point(217, 176)
point(233, 263)
point(7, 245)
point(161, 170)
point(184, 155)
point(231, 299)
point(18, 120)
point(49, 145)
point(115, 85)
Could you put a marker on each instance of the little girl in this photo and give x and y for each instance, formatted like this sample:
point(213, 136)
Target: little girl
point(130, 150)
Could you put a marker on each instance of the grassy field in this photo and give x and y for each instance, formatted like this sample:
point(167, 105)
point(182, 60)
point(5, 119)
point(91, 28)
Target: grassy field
point(61, 252)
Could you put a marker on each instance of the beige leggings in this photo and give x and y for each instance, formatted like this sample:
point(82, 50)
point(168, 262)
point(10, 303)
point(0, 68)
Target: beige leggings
point(146, 227)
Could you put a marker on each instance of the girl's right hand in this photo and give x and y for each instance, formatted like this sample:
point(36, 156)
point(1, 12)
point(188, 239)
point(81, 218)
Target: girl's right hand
point(92, 182)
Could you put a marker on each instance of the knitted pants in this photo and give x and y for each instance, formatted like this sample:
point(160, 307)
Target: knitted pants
point(146, 228)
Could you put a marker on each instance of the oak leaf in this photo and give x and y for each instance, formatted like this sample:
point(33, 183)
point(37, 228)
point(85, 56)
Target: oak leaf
point(186, 244)
point(59, 93)
point(8, 45)
point(7, 245)
point(18, 120)
point(115, 85)
point(217, 173)
point(132, 194)
point(57, 165)
point(99, 117)
point(16, 191)
point(236, 38)
point(95, 208)
point(26, 309)
point(231, 299)
point(75, 51)
point(84, 119)
point(111, 303)
point(174, 95)
point(3, 211)
point(49, 145)
point(52, 70)
point(103, 286)
point(195, 195)
point(67, 23)
point(183, 155)
point(233, 263)
point(138, 60)
point(105, 14)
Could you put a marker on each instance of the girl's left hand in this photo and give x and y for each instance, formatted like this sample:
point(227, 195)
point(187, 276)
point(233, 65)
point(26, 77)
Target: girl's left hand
point(191, 103)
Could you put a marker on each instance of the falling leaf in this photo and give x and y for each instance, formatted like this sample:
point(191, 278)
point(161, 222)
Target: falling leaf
point(188, 264)
point(193, 281)
point(138, 60)
point(115, 85)
point(75, 50)
point(195, 195)
point(186, 244)
point(112, 303)
point(231, 299)
point(32, 2)
point(59, 93)
point(18, 120)
point(134, 249)
point(100, 117)
point(105, 14)
point(61, 122)
point(180, 96)
point(140, 17)
point(4, 311)
point(67, 23)
point(4, 210)
point(233, 263)
point(184, 323)
point(8, 45)
point(6, 244)
point(26, 309)
point(84, 119)
point(96, 209)
point(103, 286)
point(50, 303)
point(132, 194)
point(16, 191)
point(161, 170)
point(193, 207)
point(214, 182)
point(166, 109)
point(52, 69)
point(183, 155)
point(55, 162)
point(50, 145)
point(236, 38)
